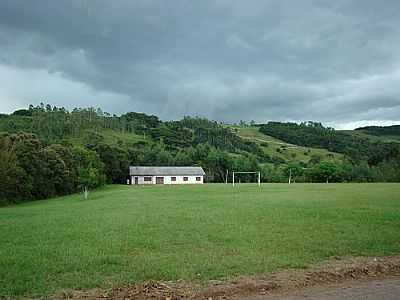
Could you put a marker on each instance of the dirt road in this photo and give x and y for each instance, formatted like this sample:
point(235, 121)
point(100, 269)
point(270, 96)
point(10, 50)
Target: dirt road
point(387, 289)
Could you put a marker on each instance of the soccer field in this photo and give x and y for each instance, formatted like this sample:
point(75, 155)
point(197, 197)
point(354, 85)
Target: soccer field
point(213, 231)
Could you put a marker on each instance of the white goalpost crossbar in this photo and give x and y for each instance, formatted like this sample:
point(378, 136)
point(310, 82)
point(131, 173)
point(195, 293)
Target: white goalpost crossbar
point(258, 173)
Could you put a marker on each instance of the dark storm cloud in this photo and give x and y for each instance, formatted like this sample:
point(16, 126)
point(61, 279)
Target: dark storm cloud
point(333, 61)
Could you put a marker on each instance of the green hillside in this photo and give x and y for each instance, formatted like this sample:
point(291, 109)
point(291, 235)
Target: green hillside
point(284, 151)
point(314, 134)
point(389, 131)
point(384, 138)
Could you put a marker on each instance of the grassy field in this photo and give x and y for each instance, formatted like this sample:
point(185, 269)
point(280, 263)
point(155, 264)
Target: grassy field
point(124, 233)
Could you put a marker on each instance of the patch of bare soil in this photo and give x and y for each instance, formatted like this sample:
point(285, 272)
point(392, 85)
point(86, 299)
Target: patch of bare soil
point(336, 270)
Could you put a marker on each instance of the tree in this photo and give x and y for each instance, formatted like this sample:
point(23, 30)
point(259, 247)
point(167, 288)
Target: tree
point(30, 171)
point(115, 160)
point(272, 173)
point(246, 163)
point(216, 164)
point(22, 112)
point(89, 169)
point(27, 149)
point(325, 171)
point(293, 171)
point(182, 159)
point(12, 176)
point(66, 184)
point(54, 176)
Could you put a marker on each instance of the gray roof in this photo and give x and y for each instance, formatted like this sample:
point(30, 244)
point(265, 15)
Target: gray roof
point(190, 171)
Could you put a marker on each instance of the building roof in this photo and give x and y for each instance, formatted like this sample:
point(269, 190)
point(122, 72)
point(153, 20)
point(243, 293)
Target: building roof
point(165, 171)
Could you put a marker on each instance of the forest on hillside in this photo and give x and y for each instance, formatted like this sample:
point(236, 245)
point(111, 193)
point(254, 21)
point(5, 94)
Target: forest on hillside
point(47, 151)
point(393, 130)
point(313, 134)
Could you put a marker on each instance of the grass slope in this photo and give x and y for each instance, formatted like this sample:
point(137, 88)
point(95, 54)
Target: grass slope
point(288, 152)
point(126, 234)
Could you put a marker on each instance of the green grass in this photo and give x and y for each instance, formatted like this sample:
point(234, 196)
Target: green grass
point(288, 152)
point(123, 234)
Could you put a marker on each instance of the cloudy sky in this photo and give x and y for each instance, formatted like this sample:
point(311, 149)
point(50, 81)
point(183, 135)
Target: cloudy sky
point(333, 61)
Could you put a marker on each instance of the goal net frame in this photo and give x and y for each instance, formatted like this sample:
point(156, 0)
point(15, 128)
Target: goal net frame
point(257, 172)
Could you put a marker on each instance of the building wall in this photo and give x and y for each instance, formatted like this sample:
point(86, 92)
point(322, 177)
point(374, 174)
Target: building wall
point(179, 180)
point(167, 180)
point(141, 180)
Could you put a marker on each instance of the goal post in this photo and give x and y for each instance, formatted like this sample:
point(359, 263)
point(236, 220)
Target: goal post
point(258, 177)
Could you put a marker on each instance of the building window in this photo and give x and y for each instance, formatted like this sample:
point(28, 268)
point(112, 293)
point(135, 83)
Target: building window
point(198, 178)
point(173, 178)
point(147, 178)
point(185, 178)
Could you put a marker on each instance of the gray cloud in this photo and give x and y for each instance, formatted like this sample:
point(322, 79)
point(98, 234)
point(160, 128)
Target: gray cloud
point(332, 61)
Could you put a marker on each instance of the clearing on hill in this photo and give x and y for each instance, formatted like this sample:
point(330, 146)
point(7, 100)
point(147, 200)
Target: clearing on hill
point(285, 151)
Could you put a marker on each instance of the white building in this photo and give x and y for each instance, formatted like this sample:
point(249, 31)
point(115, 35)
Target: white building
point(166, 175)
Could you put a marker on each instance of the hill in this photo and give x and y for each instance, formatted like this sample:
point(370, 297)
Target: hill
point(373, 138)
point(284, 152)
point(66, 151)
point(393, 130)
point(312, 134)
point(381, 133)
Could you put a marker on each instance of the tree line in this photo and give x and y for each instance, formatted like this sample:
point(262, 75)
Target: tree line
point(393, 130)
point(328, 171)
point(31, 170)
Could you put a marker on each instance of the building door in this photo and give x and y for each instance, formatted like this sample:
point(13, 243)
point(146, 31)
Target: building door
point(136, 180)
point(159, 180)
